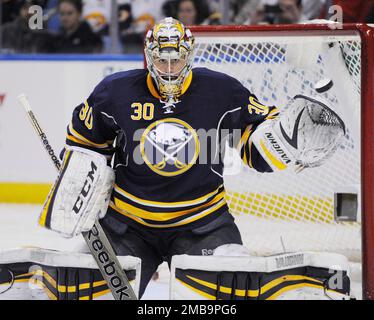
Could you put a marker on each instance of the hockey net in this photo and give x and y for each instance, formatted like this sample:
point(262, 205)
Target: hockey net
point(288, 211)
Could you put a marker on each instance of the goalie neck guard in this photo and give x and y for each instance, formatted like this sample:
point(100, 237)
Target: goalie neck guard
point(168, 51)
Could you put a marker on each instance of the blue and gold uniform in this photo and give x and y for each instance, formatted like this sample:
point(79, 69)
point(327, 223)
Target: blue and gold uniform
point(164, 131)
point(166, 156)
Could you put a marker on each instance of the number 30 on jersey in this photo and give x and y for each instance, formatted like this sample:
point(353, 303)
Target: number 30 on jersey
point(257, 107)
point(142, 111)
point(86, 115)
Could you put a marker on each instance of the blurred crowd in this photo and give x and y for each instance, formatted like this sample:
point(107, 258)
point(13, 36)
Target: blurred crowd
point(89, 26)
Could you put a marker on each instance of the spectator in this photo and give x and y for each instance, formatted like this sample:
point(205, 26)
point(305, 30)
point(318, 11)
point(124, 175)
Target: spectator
point(312, 9)
point(76, 35)
point(169, 8)
point(135, 18)
point(192, 12)
point(97, 14)
point(51, 17)
point(278, 12)
point(18, 37)
point(244, 10)
point(125, 17)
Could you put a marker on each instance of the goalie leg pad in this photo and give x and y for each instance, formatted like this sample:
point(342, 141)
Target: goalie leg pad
point(40, 274)
point(80, 194)
point(302, 275)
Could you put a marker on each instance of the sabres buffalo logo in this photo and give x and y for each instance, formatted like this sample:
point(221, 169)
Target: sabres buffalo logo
point(169, 146)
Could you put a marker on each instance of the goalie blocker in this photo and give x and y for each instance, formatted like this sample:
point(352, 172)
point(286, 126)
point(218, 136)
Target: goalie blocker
point(80, 194)
point(292, 276)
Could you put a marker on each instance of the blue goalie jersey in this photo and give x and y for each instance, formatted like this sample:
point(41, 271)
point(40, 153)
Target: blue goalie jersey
point(168, 157)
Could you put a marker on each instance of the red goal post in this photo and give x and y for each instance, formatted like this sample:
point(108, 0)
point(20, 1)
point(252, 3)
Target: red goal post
point(221, 54)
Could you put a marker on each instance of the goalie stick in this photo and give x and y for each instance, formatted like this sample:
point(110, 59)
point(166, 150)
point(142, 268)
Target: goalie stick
point(96, 238)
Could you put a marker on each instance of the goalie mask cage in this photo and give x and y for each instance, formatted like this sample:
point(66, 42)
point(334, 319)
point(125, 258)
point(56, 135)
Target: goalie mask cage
point(289, 211)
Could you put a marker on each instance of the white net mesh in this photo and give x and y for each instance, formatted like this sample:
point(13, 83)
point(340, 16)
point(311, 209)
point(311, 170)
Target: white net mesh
point(287, 211)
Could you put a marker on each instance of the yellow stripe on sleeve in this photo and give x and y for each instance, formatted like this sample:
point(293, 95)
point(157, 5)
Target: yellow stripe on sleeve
point(82, 138)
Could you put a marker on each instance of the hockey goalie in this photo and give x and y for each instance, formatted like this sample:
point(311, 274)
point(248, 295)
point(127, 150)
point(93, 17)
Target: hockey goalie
point(158, 183)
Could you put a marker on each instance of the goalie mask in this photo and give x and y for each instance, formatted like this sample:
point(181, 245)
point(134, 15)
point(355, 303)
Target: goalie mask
point(169, 55)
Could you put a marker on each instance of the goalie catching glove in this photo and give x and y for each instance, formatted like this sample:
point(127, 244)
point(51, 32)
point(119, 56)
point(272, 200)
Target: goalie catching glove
point(305, 134)
point(80, 194)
